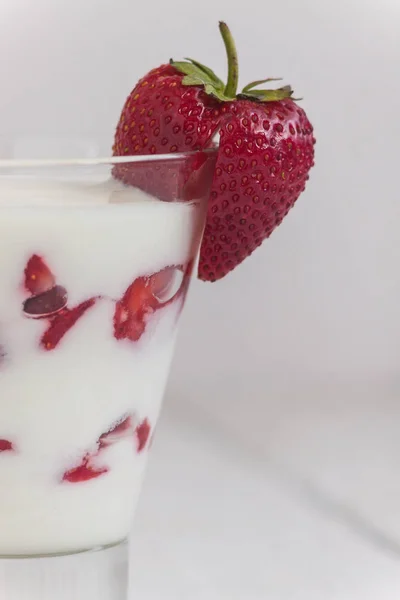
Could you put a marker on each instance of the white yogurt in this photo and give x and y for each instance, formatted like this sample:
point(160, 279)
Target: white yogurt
point(54, 405)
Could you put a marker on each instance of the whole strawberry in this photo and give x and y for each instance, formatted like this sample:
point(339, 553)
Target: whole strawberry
point(266, 149)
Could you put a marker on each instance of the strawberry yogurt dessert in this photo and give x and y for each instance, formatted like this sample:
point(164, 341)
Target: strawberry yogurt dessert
point(95, 264)
point(94, 276)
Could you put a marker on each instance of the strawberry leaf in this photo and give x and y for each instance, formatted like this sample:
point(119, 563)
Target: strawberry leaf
point(193, 80)
point(186, 68)
point(254, 84)
point(269, 95)
point(209, 88)
point(213, 91)
point(207, 71)
point(196, 74)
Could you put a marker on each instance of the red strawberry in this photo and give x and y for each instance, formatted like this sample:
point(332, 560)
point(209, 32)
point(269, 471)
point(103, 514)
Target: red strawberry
point(5, 446)
point(84, 472)
point(62, 323)
point(142, 434)
point(265, 153)
point(143, 298)
point(161, 115)
point(38, 277)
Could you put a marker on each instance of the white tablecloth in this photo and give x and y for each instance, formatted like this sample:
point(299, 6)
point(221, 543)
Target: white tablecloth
point(294, 496)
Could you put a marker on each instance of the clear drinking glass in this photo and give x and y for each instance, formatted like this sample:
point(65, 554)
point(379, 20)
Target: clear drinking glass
point(95, 260)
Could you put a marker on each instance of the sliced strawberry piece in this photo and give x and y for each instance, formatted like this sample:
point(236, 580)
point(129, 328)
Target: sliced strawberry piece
point(129, 322)
point(5, 445)
point(143, 297)
point(118, 431)
point(62, 323)
point(133, 311)
point(84, 472)
point(142, 433)
point(38, 277)
point(46, 304)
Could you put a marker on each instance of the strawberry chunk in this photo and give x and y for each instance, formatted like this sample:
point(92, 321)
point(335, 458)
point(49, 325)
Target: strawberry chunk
point(38, 277)
point(117, 431)
point(5, 446)
point(143, 298)
point(62, 323)
point(142, 433)
point(133, 310)
point(84, 472)
point(47, 304)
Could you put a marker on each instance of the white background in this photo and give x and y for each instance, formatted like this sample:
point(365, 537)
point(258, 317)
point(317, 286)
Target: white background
point(319, 301)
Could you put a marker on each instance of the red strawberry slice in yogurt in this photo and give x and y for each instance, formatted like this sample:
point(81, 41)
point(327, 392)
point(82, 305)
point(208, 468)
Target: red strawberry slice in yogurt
point(5, 445)
point(89, 468)
point(118, 431)
point(142, 433)
point(62, 323)
point(84, 471)
point(134, 309)
point(143, 298)
point(47, 299)
point(38, 277)
point(123, 429)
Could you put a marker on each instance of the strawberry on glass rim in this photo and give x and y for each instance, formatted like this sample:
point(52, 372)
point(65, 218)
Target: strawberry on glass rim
point(265, 153)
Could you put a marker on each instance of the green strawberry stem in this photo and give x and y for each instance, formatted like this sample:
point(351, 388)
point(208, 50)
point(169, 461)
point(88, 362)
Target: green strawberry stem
point(233, 63)
point(196, 74)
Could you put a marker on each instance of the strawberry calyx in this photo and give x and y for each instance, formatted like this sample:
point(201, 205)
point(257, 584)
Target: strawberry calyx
point(197, 74)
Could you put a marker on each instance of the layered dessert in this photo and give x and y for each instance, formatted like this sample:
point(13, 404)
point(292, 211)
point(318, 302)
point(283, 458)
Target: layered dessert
point(93, 278)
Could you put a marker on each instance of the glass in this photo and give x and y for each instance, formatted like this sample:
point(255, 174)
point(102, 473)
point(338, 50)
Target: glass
point(96, 256)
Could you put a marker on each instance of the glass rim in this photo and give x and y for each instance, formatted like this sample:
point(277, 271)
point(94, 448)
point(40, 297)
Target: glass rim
point(8, 163)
